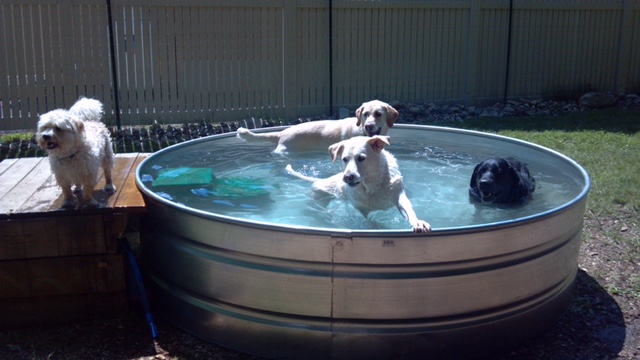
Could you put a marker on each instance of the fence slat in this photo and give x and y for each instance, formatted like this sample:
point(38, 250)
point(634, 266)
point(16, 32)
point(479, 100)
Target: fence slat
point(187, 60)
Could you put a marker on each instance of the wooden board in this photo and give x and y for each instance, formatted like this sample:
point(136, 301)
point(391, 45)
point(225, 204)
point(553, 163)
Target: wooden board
point(129, 197)
point(62, 275)
point(27, 186)
point(59, 265)
point(52, 237)
point(16, 172)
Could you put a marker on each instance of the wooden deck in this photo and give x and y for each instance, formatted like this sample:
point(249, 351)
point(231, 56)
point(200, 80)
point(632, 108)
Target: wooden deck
point(57, 265)
point(28, 188)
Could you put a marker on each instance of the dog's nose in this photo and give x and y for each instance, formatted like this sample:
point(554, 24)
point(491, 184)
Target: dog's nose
point(348, 178)
point(46, 137)
point(484, 185)
point(371, 129)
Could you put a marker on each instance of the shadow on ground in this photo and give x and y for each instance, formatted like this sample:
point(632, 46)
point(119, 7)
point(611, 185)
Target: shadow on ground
point(592, 328)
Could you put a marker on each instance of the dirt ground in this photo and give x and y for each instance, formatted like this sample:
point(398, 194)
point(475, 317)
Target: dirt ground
point(603, 321)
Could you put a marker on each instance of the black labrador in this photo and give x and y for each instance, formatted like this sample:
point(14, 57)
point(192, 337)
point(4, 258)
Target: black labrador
point(501, 180)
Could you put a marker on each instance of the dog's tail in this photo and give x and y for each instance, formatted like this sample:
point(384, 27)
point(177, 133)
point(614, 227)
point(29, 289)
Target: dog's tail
point(247, 135)
point(290, 171)
point(87, 109)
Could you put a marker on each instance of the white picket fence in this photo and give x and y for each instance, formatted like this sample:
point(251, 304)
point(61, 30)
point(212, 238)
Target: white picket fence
point(186, 60)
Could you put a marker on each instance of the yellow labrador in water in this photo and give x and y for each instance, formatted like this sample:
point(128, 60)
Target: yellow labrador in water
point(370, 179)
point(372, 118)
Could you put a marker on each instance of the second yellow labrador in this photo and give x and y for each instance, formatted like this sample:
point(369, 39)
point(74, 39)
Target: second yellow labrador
point(372, 118)
point(370, 180)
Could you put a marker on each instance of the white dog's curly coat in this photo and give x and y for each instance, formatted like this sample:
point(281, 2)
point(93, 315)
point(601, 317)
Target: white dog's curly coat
point(78, 144)
point(370, 179)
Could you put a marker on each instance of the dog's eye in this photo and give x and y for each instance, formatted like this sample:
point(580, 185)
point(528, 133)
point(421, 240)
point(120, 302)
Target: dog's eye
point(58, 129)
point(366, 114)
point(377, 113)
point(345, 159)
point(361, 158)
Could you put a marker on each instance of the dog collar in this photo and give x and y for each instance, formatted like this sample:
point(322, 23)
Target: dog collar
point(68, 157)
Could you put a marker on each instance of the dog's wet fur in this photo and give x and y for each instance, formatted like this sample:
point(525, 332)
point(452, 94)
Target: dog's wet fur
point(370, 180)
point(501, 181)
point(372, 118)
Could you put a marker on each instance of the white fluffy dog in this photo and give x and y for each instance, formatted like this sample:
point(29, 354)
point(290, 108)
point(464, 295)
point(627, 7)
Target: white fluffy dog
point(370, 179)
point(78, 144)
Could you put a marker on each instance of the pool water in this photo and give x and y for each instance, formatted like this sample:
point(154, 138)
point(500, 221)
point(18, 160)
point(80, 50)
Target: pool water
point(250, 183)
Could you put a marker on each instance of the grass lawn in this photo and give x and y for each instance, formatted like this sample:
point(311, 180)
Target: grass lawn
point(606, 143)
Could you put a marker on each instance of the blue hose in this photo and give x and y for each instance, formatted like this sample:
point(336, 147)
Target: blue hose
point(138, 290)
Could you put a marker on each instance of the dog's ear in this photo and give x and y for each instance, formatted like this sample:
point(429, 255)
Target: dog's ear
point(378, 142)
point(472, 183)
point(335, 151)
point(78, 125)
point(526, 182)
point(519, 188)
point(392, 115)
point(359, 114)
point(74, 123)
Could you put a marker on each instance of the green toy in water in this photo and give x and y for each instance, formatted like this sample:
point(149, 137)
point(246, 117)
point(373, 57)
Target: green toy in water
point(235, 187)
point(184, 176)
point(239, 187)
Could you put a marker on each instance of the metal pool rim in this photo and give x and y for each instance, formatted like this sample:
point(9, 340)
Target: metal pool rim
point(347, 232)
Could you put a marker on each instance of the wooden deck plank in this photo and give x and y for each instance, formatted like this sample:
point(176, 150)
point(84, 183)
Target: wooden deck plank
point(129, 196)
point(121, 169)
point(55, 290)
point(41, 200)
point(6, 164)
point(13, 177)
point(53, 236)
point(28, 187)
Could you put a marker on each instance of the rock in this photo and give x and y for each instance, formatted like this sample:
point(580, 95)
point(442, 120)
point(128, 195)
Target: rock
point(509, 110)
point(490, 112)
point(415, 110)
point(629, 101)
point(597, 100)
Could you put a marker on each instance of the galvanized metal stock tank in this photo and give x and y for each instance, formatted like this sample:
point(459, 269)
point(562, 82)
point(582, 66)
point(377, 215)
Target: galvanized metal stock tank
point(308, 293)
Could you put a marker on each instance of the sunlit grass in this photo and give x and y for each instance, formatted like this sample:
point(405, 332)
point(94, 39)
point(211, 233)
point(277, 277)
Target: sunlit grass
point(8, 138)
point(606, 143)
